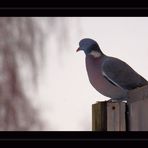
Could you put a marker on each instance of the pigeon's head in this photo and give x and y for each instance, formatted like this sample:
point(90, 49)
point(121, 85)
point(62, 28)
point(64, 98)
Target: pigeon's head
point(89, 46)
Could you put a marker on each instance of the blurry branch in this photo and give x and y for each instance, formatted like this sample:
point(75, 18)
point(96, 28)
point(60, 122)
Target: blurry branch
point(22, 45)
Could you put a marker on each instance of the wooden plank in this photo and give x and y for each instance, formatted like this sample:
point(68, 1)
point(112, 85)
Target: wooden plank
point(99, 116)
point(138, 115)
point(138, 94)
point(109, 116)
point(116, 116)
point(121, 116)
point(138, 109)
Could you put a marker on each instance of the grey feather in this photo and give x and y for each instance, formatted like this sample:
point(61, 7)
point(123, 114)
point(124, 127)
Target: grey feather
point(121, 74)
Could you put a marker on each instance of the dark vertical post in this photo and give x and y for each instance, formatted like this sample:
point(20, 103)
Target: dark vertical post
point(99, 116)
point(109, 116)
point(138, 109)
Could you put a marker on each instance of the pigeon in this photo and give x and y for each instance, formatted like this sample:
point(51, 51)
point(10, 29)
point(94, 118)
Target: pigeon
point(110, 76)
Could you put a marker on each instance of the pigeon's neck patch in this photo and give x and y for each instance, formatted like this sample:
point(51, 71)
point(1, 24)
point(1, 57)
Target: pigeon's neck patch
point(95, 54)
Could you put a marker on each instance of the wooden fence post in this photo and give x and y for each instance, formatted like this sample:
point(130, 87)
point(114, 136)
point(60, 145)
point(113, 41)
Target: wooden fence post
point(99, 116)
point(138, 109)
point(116, 117)
point(122, 116)
point(109, 116)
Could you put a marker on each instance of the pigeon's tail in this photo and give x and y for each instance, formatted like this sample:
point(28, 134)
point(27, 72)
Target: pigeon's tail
point(146, 82)
point(143, 82)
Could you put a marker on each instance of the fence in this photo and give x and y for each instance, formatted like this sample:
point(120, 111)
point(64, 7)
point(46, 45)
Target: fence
point(122, 116)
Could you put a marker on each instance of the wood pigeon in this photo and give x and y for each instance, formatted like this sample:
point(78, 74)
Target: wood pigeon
point(108, 75)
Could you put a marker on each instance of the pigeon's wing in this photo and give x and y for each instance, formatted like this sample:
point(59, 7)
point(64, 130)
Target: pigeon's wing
point(121, 74)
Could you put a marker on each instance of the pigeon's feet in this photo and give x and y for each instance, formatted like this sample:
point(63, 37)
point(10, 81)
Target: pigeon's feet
point(116, 100)
point(112, 101)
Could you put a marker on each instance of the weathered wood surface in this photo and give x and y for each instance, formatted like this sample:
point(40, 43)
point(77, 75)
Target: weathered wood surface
point(116, 116)
point(99, 116)
point(108, 116)
point(138, 94)
point(121, 116)
point(138, 109)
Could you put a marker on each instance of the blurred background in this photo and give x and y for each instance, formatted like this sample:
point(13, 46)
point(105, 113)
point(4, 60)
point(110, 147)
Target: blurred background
point(43, 81)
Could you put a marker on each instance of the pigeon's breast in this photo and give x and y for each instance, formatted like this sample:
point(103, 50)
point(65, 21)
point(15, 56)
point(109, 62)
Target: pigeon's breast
point(99, 82)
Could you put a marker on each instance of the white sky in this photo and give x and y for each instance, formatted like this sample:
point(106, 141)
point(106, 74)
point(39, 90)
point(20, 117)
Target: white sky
point(65, 95)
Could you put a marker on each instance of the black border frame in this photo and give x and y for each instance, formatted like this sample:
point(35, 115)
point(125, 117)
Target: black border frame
point(39, 138)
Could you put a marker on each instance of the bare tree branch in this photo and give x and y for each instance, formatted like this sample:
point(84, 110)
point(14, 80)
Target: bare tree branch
point(21, 45)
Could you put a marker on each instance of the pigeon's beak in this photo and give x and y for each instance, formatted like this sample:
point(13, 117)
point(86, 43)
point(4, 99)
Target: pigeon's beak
point(78, 49)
